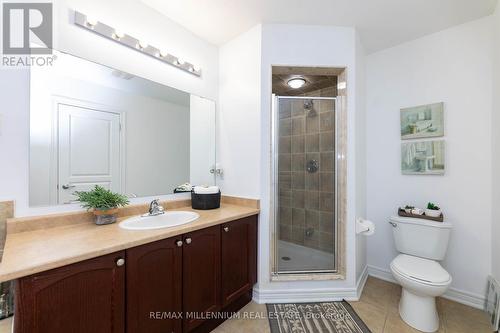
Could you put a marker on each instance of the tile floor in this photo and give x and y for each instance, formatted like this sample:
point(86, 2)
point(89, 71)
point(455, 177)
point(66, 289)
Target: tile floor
point(378, 307)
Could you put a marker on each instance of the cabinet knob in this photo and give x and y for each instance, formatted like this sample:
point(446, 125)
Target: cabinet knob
point(179, 243)
point(120, 262)
point(188, 240)
point(226, 229)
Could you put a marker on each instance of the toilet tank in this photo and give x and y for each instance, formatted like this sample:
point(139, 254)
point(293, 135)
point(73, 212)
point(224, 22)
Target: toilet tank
point(421, 238)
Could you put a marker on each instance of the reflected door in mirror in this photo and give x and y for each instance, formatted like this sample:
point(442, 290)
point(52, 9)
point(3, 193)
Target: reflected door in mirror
point(89, 150)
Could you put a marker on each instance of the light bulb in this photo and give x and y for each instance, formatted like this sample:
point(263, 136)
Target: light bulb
point(142, 44)
point(163, 53)
point(118, 34)
point(91, 21)
point(180, 61)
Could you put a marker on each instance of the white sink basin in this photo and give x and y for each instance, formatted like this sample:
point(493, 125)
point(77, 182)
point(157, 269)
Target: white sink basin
point(166, 220)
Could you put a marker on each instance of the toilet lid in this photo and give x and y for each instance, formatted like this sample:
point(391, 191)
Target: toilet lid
point(426, 270)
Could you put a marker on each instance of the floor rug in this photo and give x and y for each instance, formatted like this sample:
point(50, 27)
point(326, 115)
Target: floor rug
point(324, 317)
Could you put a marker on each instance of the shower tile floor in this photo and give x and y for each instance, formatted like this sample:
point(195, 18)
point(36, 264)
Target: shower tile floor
point(378, 308)
point(293, 257)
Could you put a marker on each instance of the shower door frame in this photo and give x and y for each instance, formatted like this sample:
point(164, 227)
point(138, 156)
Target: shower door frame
point(337, 272)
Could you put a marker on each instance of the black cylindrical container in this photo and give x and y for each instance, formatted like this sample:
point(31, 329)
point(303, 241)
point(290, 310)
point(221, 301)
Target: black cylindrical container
point(205, 201)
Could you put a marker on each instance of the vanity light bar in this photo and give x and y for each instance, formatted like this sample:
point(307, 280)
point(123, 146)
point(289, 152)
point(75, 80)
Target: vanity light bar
point(120, 37)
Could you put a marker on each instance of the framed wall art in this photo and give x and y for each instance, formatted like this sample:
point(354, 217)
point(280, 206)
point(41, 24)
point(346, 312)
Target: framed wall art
point(425, 121)
point(423, 157)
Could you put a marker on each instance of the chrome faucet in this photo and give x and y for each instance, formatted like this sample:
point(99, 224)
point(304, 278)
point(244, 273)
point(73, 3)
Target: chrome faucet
point(155, 208)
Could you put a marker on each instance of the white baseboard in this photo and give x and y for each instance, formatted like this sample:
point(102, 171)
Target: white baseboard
point(262, 296)
point(352, 294)
point(471, 299)
point(381, 274)
point(360, 284)
point(303, 295)
point(460, 296)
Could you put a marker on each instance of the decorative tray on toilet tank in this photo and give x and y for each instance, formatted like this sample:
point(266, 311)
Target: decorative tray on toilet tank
point(402, 212)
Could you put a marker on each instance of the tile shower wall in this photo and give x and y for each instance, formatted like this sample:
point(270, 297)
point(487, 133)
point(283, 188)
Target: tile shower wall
point(306, 199)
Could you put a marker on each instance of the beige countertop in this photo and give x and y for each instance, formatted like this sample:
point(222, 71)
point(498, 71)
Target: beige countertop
point(41, 249)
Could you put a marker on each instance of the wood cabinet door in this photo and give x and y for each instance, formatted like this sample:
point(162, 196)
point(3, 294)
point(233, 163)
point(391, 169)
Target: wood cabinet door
point(84, 297)
point(239, 258)
point(154, 287)
point(201, 276)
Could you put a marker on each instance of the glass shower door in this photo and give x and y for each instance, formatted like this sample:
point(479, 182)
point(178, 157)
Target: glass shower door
point(305, 184)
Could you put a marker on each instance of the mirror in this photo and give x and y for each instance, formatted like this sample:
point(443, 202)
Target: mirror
point(95, 125)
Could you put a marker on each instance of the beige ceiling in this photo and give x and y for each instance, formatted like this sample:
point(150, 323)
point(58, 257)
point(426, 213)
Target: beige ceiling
point(380, 23)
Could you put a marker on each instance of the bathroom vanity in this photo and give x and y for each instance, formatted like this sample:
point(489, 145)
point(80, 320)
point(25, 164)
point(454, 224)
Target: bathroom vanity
point(91, 125)
point(180, 279)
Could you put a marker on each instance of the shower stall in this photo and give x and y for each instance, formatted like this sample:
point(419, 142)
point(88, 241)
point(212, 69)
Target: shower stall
point(304, 146)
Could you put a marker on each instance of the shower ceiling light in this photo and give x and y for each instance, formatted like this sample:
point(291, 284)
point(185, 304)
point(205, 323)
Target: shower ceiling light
point(296, 83)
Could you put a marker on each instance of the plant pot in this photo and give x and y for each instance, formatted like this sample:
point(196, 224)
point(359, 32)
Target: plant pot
point(408, 210)
point(105, 216)
point(433, 212)
point(417, 211)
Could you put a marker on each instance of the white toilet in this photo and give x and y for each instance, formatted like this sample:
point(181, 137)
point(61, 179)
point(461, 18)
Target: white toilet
point(421, 243)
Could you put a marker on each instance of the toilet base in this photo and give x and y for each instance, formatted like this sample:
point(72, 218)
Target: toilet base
point(419, 311)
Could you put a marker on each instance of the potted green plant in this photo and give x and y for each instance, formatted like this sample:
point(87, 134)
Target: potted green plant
point(433, 210)
point(408, 209)
point(103, 203)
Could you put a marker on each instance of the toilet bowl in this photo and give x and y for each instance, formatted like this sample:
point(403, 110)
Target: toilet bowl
point(422, 280)
point(422, 244)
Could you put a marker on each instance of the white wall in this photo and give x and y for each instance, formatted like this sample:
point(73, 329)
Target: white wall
point(496, 146)
point(136, 19)
point(238, 149)
point(300, 45)
point(361, 240)
point(453, 66)
point(202, 138)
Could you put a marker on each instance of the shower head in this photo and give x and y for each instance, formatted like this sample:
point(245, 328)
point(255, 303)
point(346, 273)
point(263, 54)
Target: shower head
point(308, 104)
point(309, 107)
